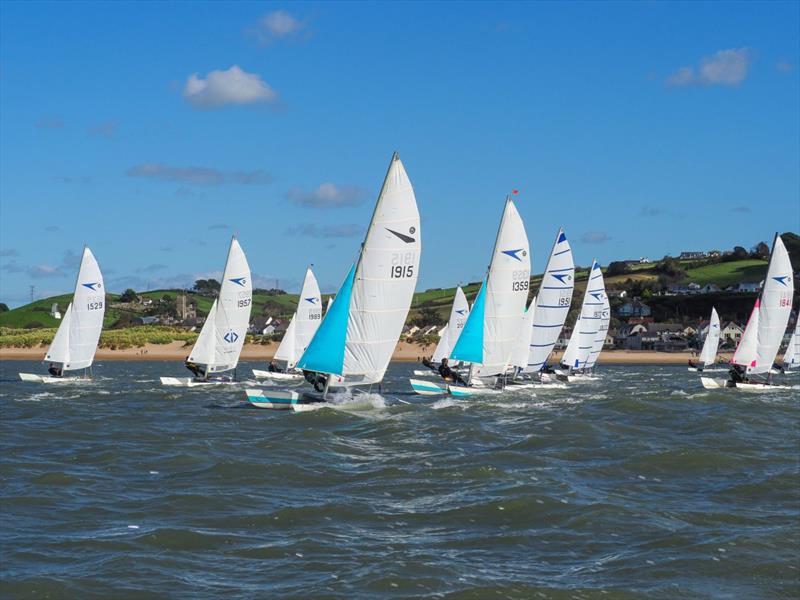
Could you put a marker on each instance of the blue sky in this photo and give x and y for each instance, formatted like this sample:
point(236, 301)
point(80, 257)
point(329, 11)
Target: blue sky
point(643, 128)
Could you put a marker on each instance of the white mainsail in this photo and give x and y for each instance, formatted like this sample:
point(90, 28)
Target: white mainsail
point(588, 323)
point(519, 357)
point(360, 331)
point(711, 344)
point(491, 331)
point(791, 358)
point(75, 343)
point(449, 335)
point(304, 323)
point(221, 340)
point(602, 329)
point(552, 303)
point(764, 332)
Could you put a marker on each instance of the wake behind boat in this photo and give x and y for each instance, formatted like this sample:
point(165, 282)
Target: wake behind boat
point(222, 337)
point(75, 343)
point(355, 341)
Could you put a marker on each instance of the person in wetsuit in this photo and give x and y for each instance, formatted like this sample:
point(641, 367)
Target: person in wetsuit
point(427, 362)
point(738, 374)
point(55, 371)
point(196, 370)
point(448, 374)
point(273, 367)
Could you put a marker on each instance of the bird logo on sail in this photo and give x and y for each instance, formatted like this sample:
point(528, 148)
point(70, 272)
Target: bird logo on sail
point(562, 277)
point(513, 253)
point(597, 295)
point(312, 300)
point(239, 281)
point(461, 312)
point(782, 279)
point(231, 337)
point(92, 286)
point(406, 238)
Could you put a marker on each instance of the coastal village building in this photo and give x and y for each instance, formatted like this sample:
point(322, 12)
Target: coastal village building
point(635, 308)
point(731, 332)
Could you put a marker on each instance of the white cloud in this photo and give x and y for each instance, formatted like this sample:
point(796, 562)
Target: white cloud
point(276, 25)
point(327, 195)
point(233, 86)
point(726, 67)
point(197, 175)
point(595, 237)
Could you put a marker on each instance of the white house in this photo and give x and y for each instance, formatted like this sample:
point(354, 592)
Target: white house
point(54, 312)
point(731, 332)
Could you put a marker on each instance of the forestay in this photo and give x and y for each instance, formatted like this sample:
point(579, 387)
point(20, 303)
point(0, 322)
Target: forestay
point(552, 303)
point(75, 342)
point(359, 334)
point(221, 340)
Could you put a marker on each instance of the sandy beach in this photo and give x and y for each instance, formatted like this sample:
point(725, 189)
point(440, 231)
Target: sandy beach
point(177, 351)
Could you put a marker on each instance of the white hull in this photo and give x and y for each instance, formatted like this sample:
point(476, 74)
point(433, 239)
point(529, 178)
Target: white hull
point(716, 384)
point(283, 377)
point(33, 378)
point(428, 373)
point(427, 388)
point(706, 370)
point(300, 402)
point(192, 382)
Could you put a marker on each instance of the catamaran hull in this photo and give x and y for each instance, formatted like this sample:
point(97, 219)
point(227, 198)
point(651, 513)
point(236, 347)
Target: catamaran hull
point(427, 388)
point(192, 382)
point(33, 378)
point(716, 384)
point(276, 400)
point(282, 377)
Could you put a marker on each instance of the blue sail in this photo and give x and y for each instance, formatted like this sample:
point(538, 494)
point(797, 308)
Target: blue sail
point(325, 353)
point(469, 346)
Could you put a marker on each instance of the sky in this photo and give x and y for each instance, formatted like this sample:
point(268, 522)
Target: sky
point(154, 131)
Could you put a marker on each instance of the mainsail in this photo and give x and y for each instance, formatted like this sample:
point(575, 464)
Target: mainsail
point(588, 323)
point(552, 303)
point(491, 331)
point(304, 323)
point(711, 344)
point(519, 357)
point(791, 358)
point(764, 332)
point(602, 328)
point(75, 342)
point(360, 330)
point(221, 340)
point(452, 330)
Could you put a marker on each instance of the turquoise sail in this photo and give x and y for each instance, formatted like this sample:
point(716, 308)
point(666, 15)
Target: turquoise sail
point(325, 353)
point(469, 347)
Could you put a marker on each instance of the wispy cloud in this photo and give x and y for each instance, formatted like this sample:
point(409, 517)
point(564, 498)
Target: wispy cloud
point(13, 267)
point(44, 272)
point(651, 211)
point(50, 122)
point(784, 66)
point(325, 231)
point(166, 249)
point(197, 175)
point(233, 86)
point(70, 179)
point(218, 226)
point(327, 195)
point(726, 67)
point(106, 130)
point(70, 259)
point(52, 228)
point(151, 268)
point(8, 252)
point(184, 192)
point(197, 242)
point(595, 237)
point(277, 25)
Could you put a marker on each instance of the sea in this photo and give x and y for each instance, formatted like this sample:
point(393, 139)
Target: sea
point(638, 484)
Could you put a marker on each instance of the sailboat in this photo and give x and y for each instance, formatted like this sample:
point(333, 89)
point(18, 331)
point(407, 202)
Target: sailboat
point(222, 337)
point(356, 339)
point(708, 354)
point(491, 331)
point(761, 340)
point(75, 343)
point(302, 327)
point(588, 329)
point(791, 358)
point(552, 304)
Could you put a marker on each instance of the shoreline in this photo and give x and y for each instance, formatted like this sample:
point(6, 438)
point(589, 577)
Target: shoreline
point(404, 352)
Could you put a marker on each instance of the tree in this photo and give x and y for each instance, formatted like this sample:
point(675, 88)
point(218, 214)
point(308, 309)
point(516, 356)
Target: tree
point(3, 307)
point(618, 267)
point(761, 250)
point(128, 295)
point(206, 286)
point(739, 253)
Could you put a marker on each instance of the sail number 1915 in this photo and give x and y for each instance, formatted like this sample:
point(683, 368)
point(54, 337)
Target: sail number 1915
point(402, 265)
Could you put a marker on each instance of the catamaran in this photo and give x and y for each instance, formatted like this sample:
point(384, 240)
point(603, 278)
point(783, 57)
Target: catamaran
point(708, 355)
point(355, 341)
point(755, 355)
point(75, 343)
point(448, 336)
point(491, 331)
point(791, 358)
point(297, 337)
point(588, 329)
point(222, 337)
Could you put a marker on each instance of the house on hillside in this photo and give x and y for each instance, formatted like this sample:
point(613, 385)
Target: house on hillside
point(617, 294)
point(634, 308)
point(641, 341)
point(732, 332)
point(433, 329)
point(145, 320)
point(664, 327)
point(54, 312)
point(692, 255)
point(710, 288)
point(744, 288)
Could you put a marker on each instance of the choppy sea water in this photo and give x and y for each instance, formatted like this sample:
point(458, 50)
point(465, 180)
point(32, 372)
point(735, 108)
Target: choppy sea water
point(640, 484)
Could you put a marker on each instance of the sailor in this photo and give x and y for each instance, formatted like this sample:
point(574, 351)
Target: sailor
point(738, 374)
point(448, 374)
point(427, 362)
point(273, 367)
point(55, 371)
point(196, 370)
